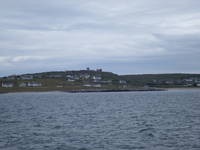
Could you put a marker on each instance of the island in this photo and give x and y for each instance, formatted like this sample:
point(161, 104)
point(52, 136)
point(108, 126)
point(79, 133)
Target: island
point(97, 80)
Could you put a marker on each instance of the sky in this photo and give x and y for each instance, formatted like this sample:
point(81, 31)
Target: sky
point(121, 36)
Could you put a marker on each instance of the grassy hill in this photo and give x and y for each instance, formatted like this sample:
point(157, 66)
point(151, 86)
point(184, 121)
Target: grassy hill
point(94, 80)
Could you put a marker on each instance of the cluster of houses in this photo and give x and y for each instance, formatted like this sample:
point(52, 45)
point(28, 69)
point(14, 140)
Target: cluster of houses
point(97, 78)
point(8, 84)
point(75, 77)
point(89, 78)
point(184, 82)
point(10, 81)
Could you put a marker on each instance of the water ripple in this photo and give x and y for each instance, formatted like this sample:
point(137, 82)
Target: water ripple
point(100, 121)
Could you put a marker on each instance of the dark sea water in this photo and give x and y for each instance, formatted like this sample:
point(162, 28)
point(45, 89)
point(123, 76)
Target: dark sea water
point(167, 120)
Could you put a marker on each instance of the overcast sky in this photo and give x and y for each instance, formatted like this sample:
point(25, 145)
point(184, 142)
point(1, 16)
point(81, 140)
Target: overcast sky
point(122, 36)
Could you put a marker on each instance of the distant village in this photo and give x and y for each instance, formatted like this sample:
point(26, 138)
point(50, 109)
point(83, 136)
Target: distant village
point(90, 79)
point(187, 82)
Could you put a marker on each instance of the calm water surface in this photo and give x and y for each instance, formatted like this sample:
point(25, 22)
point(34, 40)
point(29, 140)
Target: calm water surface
point(100, 121)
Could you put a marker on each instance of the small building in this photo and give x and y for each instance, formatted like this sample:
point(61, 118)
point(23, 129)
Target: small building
point(85, 76)
point(34, 84)
point(70, 80)
point(97, 77)
point(87, 85)
point(122, 82)
point(7, 84)
point(69, 76)
point(198, 84)
point(188, 80)
point(72, 77)
point(99, 70)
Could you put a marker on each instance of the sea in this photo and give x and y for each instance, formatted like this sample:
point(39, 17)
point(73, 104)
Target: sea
point(157, 120)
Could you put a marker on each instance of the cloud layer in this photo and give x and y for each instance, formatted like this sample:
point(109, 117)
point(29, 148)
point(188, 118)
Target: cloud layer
point(123, 36)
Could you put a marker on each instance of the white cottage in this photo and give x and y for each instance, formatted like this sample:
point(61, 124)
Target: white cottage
point(34, 84)
point(7, 84)
point(122, 82)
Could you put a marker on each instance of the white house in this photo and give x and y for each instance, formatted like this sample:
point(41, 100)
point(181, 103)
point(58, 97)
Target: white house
point(122, 82)
point(69, 76)
point(97, 77)
point(72, 77)
point(85, 76)
point(188, 80)
point(87, 85)
point(7, 84)
point(70, 80)
point(34, 84)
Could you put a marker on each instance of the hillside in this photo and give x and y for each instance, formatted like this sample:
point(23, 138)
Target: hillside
point(170, 80)
point(95, 80)
point(82, 80)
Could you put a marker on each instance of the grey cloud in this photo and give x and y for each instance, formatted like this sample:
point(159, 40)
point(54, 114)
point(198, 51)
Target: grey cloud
point(107, 32)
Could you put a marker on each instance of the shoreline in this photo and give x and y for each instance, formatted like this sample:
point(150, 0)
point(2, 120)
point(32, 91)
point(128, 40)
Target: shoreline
point(6, 91)
point(82, 90)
